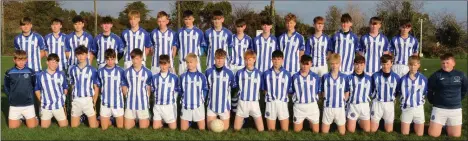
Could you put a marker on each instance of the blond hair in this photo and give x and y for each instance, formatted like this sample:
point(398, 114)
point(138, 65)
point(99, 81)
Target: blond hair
point(191, 56)
point(290, 17)
point(334, 58)
point(133, 14)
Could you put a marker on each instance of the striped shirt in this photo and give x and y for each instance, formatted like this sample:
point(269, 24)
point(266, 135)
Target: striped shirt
point(291, 47)
point(317, 49)
point(305, 89)
point(217, 40)
point(190, 41)
point(83, 80)
point(402, 49)
point(276, 85)
point(52, 88)
point(334, 90)
point(239, 46)
point(57, 46)
point(249, 83)
point(360, 89)
point(163, 43)
point(137, 97)
point(74, 41)
point(132, 40)
point(384, 88)
point(346, 45)
point(32, 44)
point(102, 43)
point(412, 91)
point(165, 89)
point(219, 85)
point(264, 48)
point(373, 48)
point(112, 80)
point(192, 88)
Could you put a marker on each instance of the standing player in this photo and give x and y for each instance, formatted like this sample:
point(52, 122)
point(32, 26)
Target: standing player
point(346, 44)
point(292, 44)
point(106, 40)
point(216, 38)
point(306, 89)
point(164, 41)
point(403, 46)
point(317, 46)
point(240, 43)
point(191, 40)
point(32, 43)
point(264, 45)
point(55, 43)
point(77, 38)
point(374, 45)
point(135, 37)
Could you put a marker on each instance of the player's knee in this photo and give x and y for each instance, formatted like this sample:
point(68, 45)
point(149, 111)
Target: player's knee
point(433, 134)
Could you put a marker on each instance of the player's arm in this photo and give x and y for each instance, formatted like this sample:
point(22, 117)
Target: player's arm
point(42, 47)
point(38, 95)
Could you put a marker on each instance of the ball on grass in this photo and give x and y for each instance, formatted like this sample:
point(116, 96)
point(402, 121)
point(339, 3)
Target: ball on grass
point(217, 125)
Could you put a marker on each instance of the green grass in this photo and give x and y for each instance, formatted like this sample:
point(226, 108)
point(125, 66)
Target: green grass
point(248, 132)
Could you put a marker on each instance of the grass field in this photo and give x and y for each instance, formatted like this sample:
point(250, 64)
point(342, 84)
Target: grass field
point(248, 133)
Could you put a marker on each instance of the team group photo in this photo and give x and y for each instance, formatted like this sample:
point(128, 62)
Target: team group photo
point(212, 71)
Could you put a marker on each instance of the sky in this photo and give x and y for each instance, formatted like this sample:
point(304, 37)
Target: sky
point(305, 10)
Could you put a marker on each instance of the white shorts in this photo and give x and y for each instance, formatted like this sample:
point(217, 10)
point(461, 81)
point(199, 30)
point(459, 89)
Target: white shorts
point(276, 110)
point(83, 105)
point(167, 113)
point(449, 117)
point(399, 69)
point(222, 116)
point(155, 70)
point(309, 111)
point(235, 68)
point(108, 112)
point(320, 70)
point(128, 64)
point(413, 114)
point(136, 114)
point(59, 114)
point(336, 115)
point(16, 112)
point(248, 108)
point(183, 66)
point(358, 111)
point(385, 110)
point(197, 114)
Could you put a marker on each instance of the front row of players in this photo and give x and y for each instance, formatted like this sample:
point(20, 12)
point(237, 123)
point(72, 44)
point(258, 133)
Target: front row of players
point(346, 98)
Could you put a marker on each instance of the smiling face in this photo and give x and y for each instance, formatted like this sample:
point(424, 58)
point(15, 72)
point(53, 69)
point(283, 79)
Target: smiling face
point(290, 25)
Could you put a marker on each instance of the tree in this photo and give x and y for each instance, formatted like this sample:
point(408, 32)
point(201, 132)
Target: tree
point(358, 17)
point(206, 14)
point(333, 20)
point(140, 7)
point(195, 6)
point(450, 33)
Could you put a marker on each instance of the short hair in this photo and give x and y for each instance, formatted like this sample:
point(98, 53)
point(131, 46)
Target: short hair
point(20, 54)
point(319, 19)
point(25, 20)
point(220, 53)
point(106, 20)
point(414, 59)
point(109, 53)
point(81, 49)
point(133, 14)
point(164, 59)
point(162, 14)
point(447, 56)
point(346, 18)
point(267, 21)
point(405, 23)
point(249, 54)
point(305, 59)
point(277, 54)
point(187, 13)
point(78, 18)
point(53, 57)
point(136, 52)
point(375, 20)
point(290, 17)
point(240, 22)
point(191, 56)
point(385, 58)
point(56, 20)
point(359, 59)
point(334, 57)
point(217, 13)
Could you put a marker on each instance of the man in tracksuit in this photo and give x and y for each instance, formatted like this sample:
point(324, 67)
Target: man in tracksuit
point(19, 88)
point(447, 88)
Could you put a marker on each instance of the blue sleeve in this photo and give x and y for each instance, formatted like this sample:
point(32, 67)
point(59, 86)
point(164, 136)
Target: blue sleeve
point(204, 83)
point(357, 46)
point(176, 85)
point(152, 84)
point(17, 46)
point(398, 88)
point(123, 79)
point(201, 39)
point(38, 85)
point(331, 44)
point(122, 36)
point(347, 84)
point(432, 87)
point(70, 75)
point(322, 83)
point(386, 45)
point(91, 43)
point(308, 47)
point(120, 44)
point(232, 80)
point(464, 88)
point(263, 85)
point(290, 87)
point(94, 46)
point(293, 89)
point(373, 87)
point(46, 44)
point(148, 43)
point(277, 43)
point(415, 46)
point(175, 40)
point(67, 44)
point(254, 46)
point(181, 87)
point(301, 43)
point(207, 72)
point(41, 44)
point(150, 77)
point(6, 83)
point(318, 85)
point(229, 39)
point(237, 78)
point(94, 77)
point(392, 47)
point(363, 44)
point(65, 83)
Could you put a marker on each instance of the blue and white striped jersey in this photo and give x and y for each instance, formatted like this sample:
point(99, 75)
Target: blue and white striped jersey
point(165, 89)
point(264, 48)
point(373, 48)
point(190, 41)
point(291, 46)
point(402, 49)
point(192, 88)
point(306, 89)
point(317, 49)
point(112, 80)
point(83, 80)
point(277, 85)
point(217, 40)
point(32, 44)
point(249, 83)
point(73, 41)
point(334, 90)
point(52, 88)
point(346, 45)
point(384, 88)
point(360, 88)
point(412, 92)
point(132, 40)
point(163, 43)
point(239, 46)
point(57, 46)
point(102, 43)
point(220, 85)
point(138, 82)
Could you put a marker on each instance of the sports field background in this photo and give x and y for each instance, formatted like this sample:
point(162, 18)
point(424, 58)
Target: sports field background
point(248, 132)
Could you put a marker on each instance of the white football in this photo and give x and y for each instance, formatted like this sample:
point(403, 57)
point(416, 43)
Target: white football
point(217, 125)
